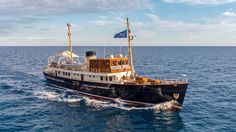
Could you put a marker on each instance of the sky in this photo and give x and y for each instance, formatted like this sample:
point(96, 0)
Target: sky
point(95, 22)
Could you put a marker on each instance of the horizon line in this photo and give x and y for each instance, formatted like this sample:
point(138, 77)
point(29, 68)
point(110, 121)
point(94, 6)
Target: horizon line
point(122, 46)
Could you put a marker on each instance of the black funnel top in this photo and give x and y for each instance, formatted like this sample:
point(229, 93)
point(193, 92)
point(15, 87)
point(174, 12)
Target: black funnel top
point(90, 53)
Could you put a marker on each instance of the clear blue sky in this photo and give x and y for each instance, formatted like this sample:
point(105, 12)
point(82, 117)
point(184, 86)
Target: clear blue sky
point(94, 22)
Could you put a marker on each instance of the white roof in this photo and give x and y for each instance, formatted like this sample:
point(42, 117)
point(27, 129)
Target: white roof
point(66, 54)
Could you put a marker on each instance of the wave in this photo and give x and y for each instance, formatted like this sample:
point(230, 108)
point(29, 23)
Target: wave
point(56, 96)
point(70, 97)
point(122, 105)
point(38, 89)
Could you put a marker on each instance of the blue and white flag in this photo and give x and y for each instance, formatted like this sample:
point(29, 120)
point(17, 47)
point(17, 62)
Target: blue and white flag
point(122, 34)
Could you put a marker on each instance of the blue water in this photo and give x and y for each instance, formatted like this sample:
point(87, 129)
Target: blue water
point(27, 103)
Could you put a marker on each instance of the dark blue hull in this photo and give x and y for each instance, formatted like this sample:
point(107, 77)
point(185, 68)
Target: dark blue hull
point(140, 95)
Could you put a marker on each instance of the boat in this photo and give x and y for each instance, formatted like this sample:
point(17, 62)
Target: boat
point(112, 78)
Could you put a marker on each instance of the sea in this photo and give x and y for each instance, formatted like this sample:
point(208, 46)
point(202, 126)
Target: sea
point(28, 103)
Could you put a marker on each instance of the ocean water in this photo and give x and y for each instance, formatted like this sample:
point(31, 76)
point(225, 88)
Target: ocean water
point(28, 103)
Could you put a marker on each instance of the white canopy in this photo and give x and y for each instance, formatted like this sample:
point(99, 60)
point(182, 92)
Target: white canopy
point(63, 58)
point(65, 54)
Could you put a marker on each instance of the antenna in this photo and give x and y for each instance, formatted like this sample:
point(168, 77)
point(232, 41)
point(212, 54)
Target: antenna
point(104, 51)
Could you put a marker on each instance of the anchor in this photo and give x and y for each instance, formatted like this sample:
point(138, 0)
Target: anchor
point(176, 96)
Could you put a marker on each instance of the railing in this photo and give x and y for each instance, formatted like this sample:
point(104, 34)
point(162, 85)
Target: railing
point(176, 79)
point(168, 79)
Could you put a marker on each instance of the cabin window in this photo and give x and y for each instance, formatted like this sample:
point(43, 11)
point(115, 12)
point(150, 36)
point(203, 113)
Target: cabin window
point(101, 78)
point(68, 74)
point(89, 76)
point(113, 63)
point(74, 74)
point(93, 76)
point(59, 72)
point(63, 73)
point(106, 78)
point(110, 78)
point(123, 62)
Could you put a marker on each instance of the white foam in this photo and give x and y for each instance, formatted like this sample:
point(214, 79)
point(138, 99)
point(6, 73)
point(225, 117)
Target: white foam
point(98, 103)
point(61, 97)
point(54, 96)
point(121, 105)
point(71, 99)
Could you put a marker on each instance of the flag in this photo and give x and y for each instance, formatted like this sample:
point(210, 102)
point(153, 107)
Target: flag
point(122, 34)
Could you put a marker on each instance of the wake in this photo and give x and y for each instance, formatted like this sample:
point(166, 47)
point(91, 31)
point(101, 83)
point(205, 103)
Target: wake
point(69, 97)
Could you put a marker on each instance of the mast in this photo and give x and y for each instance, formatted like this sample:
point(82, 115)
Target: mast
point(130, 48)
point(70, 42)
